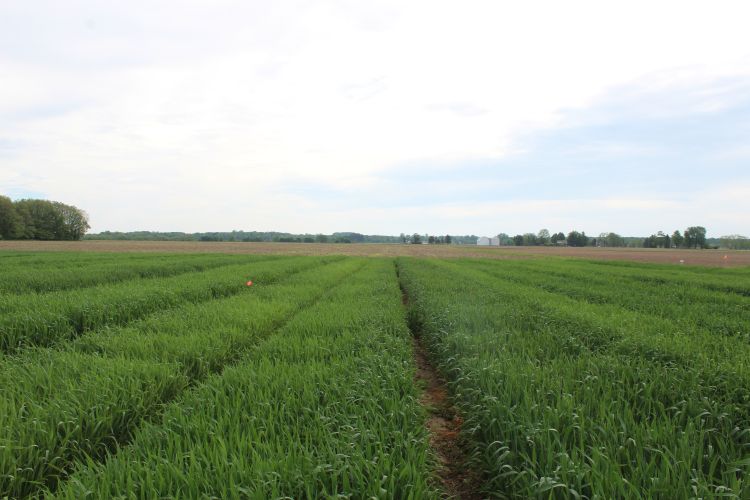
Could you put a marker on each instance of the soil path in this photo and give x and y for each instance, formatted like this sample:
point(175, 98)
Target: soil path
point(444, 425)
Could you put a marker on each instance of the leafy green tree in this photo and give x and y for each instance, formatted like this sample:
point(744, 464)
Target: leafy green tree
point(557, 237)
point(349, 237)
point(48, 222)
point(41, 220)
point(576, 239)
point(610, 240)
point(416, 239)
point(614, 240)
point(518, 240)
point(695, 237)
point(11, 223)
point(735, 242)
point(504, 239)
point(529, 239)
point(543, 237)
point(662, 240)
point(448, 239)
point(28, 229)
point(75, 221)
point(677, 239)
point(658, 240)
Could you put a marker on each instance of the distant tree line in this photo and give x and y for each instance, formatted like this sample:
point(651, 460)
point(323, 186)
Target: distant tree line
point(245, 236)
point(692, 237)
point(41, 220)
point(273, 236)
point(735, 242)
point(545, 238)
point(418, 239)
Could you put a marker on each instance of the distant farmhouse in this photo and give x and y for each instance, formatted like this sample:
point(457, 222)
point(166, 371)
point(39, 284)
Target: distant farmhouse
point(488, 242)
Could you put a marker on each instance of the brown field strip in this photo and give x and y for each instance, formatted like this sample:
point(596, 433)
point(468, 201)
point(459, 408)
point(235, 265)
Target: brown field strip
point(662, 256)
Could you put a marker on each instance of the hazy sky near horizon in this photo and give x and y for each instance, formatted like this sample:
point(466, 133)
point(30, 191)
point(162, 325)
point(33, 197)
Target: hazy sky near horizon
point(380, 117)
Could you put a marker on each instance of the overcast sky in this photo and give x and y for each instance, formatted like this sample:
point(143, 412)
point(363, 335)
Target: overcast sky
point(380, 117)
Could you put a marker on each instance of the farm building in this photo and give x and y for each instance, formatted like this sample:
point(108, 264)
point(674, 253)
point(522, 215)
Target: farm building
point(488, 242)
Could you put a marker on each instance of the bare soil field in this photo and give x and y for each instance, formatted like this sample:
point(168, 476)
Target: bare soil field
point(721, 258)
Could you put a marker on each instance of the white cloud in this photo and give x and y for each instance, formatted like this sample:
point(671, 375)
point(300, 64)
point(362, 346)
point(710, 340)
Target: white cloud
point(141, 111)
point(630, 217)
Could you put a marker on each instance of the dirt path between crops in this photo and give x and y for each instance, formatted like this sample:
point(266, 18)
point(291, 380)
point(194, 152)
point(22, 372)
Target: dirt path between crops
point(444, 427)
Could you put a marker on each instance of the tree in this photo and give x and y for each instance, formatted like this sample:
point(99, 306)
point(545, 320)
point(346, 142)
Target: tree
point(47, 221)
point(518, 240)
point(447, 239)
point(431, 240)
point(416, 239)
point(576, 239)
point(677, 239)
point(529, 239)
point(658, 240)
point(735, 242)
point(666, 241)
point(75, 221)
point(610, 240)
point(321, 238)
point(41, 220)
point(543, 237)
point(662, 240)
point(504, 239)
point(695, 237)
point(28, 230)
point(557, 237)
point(614, 240)
point(11, 223)
point(349, 237)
